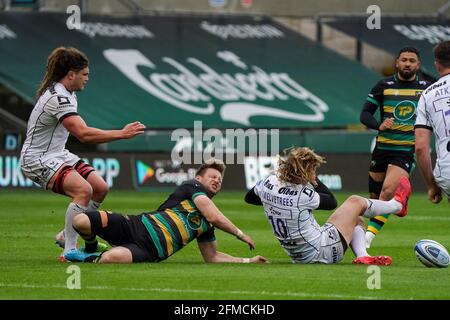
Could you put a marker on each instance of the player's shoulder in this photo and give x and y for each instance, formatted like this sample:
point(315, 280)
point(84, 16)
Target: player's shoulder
point(424, 83)
point(384, 83)
point(436, 85)
point(387, 82)
point(192, 184)
point(272, 177)
point(55, 89)
point(306, 194)
point(59, 98)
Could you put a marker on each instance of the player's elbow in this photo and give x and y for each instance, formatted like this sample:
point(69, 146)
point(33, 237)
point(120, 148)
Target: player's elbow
point(85, 135)
point(212, 258)
point(209, 256)
point(214, 219)
point(209, 259)
point(420, 149)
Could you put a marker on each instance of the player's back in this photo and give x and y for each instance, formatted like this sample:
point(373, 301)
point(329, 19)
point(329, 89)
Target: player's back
point(46, 136)
point(178, 221)
point(288, 207)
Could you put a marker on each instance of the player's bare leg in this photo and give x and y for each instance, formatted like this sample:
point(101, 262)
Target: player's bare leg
point(391, 179)
point(347, 219)
point(74, 186)
point(82, 225)
point(99, 190)
point(117, 255)
point(347, 216)
point(376, 180)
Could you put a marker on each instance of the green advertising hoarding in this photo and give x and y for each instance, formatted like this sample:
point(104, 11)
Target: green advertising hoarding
point(167, 72)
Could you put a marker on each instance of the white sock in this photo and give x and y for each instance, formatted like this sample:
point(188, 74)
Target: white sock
point(369, 238)
point(93, 205)
point(60, 235)
point(71, 235)
point(358, 243)
point(379, 207)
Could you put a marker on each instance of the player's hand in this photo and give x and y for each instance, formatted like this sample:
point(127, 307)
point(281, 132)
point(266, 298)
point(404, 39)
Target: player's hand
point(133, 129)
point(258, 259)
point(435, 194)
point(248, 240)
point(386, 124)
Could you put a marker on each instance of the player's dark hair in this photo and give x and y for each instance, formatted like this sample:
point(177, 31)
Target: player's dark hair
point(299, 166)
point(213, 164)
point(442, 54)
point(409, 49)
point(59, 63)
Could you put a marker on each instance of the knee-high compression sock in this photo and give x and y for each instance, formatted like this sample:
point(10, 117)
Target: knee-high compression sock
point(377, 207)
point(376, 223)
point(93, 205)
point(91, 244)
point(89, 240)
point(70, 234)
point(358, 243)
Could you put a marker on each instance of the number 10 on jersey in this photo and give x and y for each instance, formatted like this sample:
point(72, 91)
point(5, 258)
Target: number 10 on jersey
point(279, 227)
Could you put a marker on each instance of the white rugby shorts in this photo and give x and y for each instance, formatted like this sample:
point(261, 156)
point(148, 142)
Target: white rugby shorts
point(331, 249)
point(442, 177)
point(41, 170)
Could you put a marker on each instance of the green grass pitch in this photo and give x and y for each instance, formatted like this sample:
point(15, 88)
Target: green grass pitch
point(29, 267)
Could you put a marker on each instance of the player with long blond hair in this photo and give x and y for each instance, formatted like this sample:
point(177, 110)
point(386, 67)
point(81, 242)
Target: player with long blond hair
point(289, 197)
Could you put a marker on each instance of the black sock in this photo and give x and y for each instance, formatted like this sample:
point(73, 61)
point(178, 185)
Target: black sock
point(91, 244)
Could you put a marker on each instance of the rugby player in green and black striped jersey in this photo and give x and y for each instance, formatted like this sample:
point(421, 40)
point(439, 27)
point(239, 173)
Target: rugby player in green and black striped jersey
point(188, 214)
point(393, 157)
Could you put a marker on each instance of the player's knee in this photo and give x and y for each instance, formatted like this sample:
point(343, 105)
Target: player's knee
point(82, 223)
point(116, 256)
point(360, 221)
point(83, 193)
point(106, 258)
point(356, 201)
point(101, 190)
point(387, 193)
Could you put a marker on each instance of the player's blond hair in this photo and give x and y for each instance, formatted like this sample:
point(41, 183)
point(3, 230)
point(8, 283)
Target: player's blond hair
point(59, 63)
point(299, 166)
point(213, 164)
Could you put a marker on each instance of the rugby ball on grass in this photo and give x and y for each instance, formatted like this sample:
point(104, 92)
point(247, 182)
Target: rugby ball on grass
point(432, 254)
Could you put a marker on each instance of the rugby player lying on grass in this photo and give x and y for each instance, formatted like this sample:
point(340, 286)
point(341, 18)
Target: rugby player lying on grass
point(291, 194)
point(188, 214)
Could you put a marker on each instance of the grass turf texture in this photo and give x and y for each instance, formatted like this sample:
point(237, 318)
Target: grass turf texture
point(29, 267)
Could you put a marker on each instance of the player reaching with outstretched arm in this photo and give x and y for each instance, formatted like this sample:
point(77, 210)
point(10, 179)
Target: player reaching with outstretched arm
point(289, 197)
point(44, 158)
point(189, 213)
point(433, 115)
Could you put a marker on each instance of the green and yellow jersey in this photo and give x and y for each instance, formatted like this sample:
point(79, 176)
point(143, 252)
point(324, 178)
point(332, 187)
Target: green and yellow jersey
point(396, 99)
point(178, 221)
